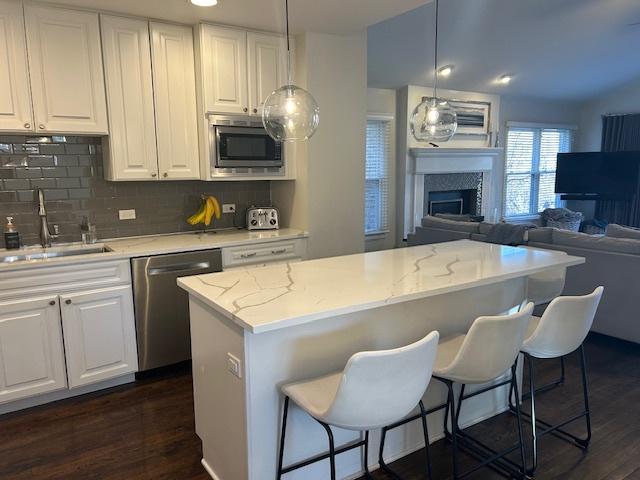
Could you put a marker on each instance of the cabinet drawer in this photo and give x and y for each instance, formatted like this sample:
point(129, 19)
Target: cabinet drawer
point(60, 278)
point(262, 253)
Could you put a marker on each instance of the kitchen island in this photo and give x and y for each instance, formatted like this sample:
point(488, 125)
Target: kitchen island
point(256, 328)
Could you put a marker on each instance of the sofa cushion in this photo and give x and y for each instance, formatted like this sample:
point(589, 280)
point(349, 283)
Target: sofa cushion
point(462, 217)
point(595, 242)
point(443, 224)
point(485, 227)
point(541, 235)
point(618, 231)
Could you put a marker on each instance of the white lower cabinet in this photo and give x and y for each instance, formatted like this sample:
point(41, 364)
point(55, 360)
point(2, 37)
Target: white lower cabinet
point(99, 335)
point(31, 351)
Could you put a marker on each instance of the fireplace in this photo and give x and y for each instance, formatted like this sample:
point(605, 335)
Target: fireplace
point(437, 172)
point(453, 201)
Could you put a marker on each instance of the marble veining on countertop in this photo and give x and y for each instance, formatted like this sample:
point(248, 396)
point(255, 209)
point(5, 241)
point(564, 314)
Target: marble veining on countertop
point(124, 248)
point(267, 298)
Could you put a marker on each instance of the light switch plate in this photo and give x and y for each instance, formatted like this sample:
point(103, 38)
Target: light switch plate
point(229, 208)
point(127, 214)
point(234, 365)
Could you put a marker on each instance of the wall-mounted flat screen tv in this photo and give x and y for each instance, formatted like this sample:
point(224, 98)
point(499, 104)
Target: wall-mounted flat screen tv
point(606, 174)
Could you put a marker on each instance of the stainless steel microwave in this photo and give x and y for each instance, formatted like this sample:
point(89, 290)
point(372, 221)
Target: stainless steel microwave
point(242, 142)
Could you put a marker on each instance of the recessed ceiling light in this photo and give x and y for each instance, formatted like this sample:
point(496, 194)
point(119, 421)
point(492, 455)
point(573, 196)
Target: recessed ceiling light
point(505, 79)
point(445, 71)
point(204, 3)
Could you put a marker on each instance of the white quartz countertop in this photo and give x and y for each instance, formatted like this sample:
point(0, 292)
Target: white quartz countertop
point(262, 299)
point(151, 245)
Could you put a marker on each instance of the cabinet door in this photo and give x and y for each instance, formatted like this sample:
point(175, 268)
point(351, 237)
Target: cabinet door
point(99, 335)
point(224, 69)
point(31, 351)
point(15, 101)
point(132, 130)
point(65, 64)
point(175, 100)
point(267, 67)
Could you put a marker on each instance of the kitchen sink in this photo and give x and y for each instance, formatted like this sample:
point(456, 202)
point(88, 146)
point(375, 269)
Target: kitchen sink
point(30, 254)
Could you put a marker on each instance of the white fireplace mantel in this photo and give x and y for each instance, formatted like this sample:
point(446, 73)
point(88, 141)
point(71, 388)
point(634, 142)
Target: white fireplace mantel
point(439, 160)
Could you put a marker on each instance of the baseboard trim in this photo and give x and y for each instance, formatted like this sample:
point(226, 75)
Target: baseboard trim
point(209, 470)
point(64, 394)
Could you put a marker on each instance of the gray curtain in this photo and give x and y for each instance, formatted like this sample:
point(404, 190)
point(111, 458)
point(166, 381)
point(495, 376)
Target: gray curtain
point(620, 133)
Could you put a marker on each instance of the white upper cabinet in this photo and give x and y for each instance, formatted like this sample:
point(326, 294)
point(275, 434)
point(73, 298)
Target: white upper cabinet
point(31, 351)
point(224, 69)
point(239, 69)
point(175, 101)
point(65, 62)
point(15, 100)
point(267, 68)
point(132, 153)
point(99, 335)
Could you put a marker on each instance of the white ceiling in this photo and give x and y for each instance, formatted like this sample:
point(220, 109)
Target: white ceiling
point(558, 49)
point(328, 16)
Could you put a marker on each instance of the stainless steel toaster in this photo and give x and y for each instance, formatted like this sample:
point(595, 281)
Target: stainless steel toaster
point(262, 218)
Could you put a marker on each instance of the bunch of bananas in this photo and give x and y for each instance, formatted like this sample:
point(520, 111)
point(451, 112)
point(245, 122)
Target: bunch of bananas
point(210, 207)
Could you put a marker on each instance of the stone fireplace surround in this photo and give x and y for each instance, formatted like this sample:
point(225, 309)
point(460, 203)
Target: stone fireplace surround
point(441, 167)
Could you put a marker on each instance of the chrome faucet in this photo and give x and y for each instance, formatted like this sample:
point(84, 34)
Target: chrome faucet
point(46, 237)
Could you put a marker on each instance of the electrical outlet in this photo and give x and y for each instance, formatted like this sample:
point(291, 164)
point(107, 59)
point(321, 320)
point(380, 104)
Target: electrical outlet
point(127, 214)
point(228, 208)
point(234, 365)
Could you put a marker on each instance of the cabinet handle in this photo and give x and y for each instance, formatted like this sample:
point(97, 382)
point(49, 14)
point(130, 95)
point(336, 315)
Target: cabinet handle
point(248, 255)
point(279, 251)
point(68, 301)
point(52, 303)
point(42, 126)
point(165, 174)
point(255, 110)
point(27, 125)
point(245, 109)
point(154, 175)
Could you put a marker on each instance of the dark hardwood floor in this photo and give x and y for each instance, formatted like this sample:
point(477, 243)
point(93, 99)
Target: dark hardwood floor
point(146, 430)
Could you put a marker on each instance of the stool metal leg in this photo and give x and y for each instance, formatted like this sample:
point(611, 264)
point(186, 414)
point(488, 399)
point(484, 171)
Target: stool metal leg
point(585, 391)
point(523, 459)
point(284, 429)
point(534, 434)
point(451, 401)
point(365, 458)
point(332, 450)
point(425, 431)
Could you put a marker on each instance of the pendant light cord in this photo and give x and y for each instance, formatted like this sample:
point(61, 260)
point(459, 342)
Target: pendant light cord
point(435, 57)
point(286, 9)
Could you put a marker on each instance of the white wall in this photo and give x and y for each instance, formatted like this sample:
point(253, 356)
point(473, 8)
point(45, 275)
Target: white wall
point(382, 102)
point(625, 99)
point(327, 198)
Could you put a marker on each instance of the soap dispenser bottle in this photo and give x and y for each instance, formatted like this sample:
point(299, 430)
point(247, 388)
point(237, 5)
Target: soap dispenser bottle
point(11, 235)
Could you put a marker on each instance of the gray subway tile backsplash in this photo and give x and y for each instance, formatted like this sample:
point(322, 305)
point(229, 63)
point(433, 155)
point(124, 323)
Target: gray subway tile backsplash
point(69, 169)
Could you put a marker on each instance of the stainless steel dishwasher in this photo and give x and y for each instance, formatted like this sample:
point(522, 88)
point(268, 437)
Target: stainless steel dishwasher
point(162, 309)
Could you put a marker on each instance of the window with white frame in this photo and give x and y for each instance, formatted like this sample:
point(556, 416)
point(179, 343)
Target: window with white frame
point(530, 168)
point(376, 193)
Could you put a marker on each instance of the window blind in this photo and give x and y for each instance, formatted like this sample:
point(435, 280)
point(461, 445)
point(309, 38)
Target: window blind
point(378, 155)
point(530, 170)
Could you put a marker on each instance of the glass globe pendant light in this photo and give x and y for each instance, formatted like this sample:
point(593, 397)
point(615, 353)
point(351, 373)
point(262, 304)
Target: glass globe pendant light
point(290, 112)
point(434, 120)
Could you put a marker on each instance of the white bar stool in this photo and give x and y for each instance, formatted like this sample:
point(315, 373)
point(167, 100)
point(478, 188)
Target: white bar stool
point(560, 331)
point(484, 354)
point(375, 389)
point(542, 288)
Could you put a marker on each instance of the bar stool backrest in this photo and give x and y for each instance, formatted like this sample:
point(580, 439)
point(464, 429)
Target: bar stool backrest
point(489, 348)
point(545, 286)
point(379, 388)
point(564, 325)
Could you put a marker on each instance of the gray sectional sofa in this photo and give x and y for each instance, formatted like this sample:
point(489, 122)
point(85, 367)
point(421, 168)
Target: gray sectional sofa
point(612, 260)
